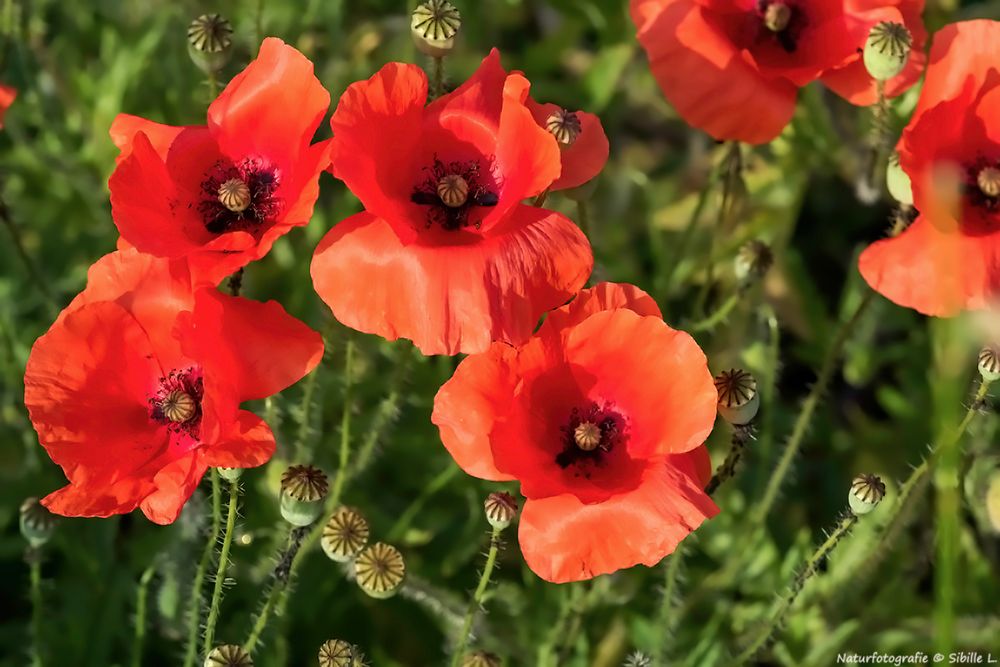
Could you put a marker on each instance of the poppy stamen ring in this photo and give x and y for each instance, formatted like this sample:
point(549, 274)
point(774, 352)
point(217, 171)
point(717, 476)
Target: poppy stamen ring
point(234, 194)
point(178, 406)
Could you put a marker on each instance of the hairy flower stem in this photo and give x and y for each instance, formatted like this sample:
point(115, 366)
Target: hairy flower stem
point(236, 282)
point(872, 182)
point(844, 526)
point(194, 612)
point(727, 469)
point(220, 576)
point(731, 173)
point(34, 559)
point(478, 597)
point(808, 408)
point(720, 314)
point(345, 426)
point(279, 582)
point(141, 596)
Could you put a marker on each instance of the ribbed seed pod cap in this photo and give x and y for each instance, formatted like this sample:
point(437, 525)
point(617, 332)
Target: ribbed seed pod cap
point(480, 659)
point(36, 522)
point(867, 491)
point(501, 508)
point(989, 363)
point(230, 474)
point(898, 181)
point(887, 49)
point(336, 653)
point(345, 534)
point(565, 126)
point(380, 570)
point(434, 25)
point(739, 400)
point(210, 42)
point(303, 489)
point(753, 260)
point(228, 655)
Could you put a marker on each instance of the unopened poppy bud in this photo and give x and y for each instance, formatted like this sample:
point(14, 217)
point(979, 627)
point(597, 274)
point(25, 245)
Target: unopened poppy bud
point(776, 16)
point(380, 570)
point(37, 523)
point(887, 49)
point(303, 489)
point(434, 25)
point(501, 508)
point(345, 534)
point(739, 400)
point(228, 655)
point(867, 491)
point(230, 474)
point(753, 261)
point(480, 659)
point(453, 190)
point(898, 181)
point(565, 126)
point(988, 180)
point(989, 363)
point(210, 42)
point(337, 653)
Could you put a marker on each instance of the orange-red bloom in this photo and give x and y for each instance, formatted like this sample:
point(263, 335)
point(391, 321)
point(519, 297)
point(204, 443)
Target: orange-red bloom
point(733, 67)
point(446, 254)
point(221, 194)
point(948, 260)
point(601, 416)
point(582, 141)
point(135, 390)
point(7, 97)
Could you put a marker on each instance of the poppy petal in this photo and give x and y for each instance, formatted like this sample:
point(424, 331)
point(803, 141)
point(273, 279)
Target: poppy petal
point(125, 127)
point(586, 156)
point(959, 52)
point(600, 297)
point(173, 484)
point(250, 444)
point(451, 298)
point(565, 540)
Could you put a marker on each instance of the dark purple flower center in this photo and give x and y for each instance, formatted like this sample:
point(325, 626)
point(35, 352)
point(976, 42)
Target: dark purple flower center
point(590, 434)
point(982, 184)
point(240, 197)
point(452, 191)
point(176, 403)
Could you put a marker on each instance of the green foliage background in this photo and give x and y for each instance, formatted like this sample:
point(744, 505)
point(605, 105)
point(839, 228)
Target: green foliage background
point(78, 64)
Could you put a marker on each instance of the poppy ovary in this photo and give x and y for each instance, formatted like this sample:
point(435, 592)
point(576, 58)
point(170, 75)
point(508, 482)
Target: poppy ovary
point(453, 190)
point(988, 180)
point(887, 50)
point(564, 126)
point(777, 16)
point(587, 436)
point(178, 406)
point(234, 194)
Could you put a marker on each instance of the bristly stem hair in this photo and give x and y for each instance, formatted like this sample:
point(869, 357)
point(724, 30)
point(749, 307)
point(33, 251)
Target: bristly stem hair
point(220, 576)
point(195, 608)
point(478, 597)
point(141, 597)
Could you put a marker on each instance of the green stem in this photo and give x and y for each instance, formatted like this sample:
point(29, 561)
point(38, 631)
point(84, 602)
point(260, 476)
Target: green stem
point(410, 513)
point(279, 582)
point(808, 408)
point(477, 598)
point(213, 85)
point(667, 620)
point(301, 448)
point(787, 600)
point(220, 576)
point(345, 427)
point(37, 612)
point(682, 244)
point(727, 469)
point(720, 314)
point(236, 282)
point(731, 172)
point(540, 199)
point(437, 80)
point(142, 594)
point(194, 612)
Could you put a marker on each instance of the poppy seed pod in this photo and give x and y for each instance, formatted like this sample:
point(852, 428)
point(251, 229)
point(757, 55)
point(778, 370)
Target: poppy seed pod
point(989, 363)
point(336, 653)
point(753, 261)
point(433, 26)
point(210, 42)
point(739, 399)
point(565, 126)
point(501, 508)
point(886, 50)
point(898, 181)
point(37, 523)
point(867, 491)
point(344, 535)
point(380, 570)
point(228, 655)
point(480, 659)
point(230, 474)
point(303, 489)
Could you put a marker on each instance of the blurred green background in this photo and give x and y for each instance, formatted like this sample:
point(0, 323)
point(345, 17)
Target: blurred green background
point(78, 64)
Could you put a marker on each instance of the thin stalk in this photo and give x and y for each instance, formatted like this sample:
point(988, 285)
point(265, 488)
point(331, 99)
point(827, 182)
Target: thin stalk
point(437, 77)
point(788, 599)
point(685, 240)
point(435, 485)
point(478, 597)
point(213, 85)
point(668, 620)
point(720, 314)
point(220, 576)
point(279, 582)
point(870, 188)
point(540, 199)
point(808, 408)
point(141, 595)
point(37, 611)
point(305, 416)
point(727, 469)
point(236, 282)
point(345, 426)
point(569, 603)
point(731, 172)
point(194, 612)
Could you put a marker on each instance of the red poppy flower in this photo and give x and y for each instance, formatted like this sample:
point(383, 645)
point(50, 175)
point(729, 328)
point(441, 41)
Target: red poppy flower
point(7, 96)
point(851, 80)
point(446, 254)
point(601, 417)
point(948, 260)
point(135, 390)
point(581, 139)
point(221, 194)
point(733, 67)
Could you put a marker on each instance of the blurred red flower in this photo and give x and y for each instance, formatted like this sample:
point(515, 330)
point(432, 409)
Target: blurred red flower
point(446, 254)
point(948, 260)
point(221, 194)
point(135, 390)
point(733, 67)
point(7, 97)
point(584, 146)
point(601, 416)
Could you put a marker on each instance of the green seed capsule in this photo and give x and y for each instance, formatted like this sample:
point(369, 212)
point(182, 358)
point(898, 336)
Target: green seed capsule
point(739, 400)
point(210, 42)
point(867, 491)
point(380, 570)
point(501, 508)
point(303, 489)
point(480, 659)
point(434, 25)
point(989, 363)
point(344, 535)
point(228, 655)
point(336, 653)
point(37, 523)
point(898, 181)
point(886, 50)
